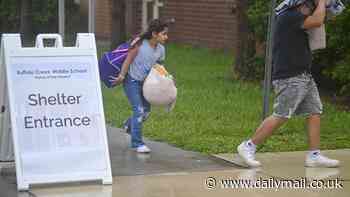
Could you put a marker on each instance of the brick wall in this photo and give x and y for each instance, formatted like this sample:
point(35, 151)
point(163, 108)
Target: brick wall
point(137, 8)
point(202, 22)
point(103, 19)
point(209, 23)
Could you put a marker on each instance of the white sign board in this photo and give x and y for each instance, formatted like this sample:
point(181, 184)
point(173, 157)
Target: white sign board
point(56, 111)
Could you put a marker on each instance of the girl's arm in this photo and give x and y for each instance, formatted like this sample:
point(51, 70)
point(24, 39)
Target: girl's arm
point(129, 59)
point(125, 67)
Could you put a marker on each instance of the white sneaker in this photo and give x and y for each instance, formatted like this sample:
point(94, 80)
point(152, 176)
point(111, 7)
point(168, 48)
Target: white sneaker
point(248, 155)
point(321, 161)
point(143, 149)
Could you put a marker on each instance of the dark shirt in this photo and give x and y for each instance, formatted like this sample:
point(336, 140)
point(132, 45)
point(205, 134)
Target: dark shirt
point(291, 53)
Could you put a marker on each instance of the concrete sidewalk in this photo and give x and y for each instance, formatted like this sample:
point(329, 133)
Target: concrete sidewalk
point(164, 159)
point(169, 171)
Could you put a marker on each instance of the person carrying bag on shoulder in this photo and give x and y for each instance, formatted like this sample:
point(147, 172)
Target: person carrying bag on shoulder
point(135, 69)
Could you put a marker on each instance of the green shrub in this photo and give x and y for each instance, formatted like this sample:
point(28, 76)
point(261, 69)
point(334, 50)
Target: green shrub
point(258, 14)
point(336, 57)
point(254, 68)
point(8, 16)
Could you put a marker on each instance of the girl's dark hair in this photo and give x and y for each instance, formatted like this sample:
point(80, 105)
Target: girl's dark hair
point(155, 25)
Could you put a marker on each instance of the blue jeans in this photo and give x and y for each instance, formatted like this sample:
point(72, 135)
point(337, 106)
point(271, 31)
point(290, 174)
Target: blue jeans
point(140, 107)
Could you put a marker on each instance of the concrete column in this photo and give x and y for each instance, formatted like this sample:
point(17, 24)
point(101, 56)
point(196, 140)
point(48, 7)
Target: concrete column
point(156, 6)
point(92, 15)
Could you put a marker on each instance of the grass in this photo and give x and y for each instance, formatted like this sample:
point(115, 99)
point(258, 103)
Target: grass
point(214, 113)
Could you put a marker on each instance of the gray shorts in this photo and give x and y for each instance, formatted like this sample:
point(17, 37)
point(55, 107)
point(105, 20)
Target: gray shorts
point(296, 96)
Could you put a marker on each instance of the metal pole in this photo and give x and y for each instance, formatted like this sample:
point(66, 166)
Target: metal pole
point(61, 17)
point(92, 6)
point(268, 60)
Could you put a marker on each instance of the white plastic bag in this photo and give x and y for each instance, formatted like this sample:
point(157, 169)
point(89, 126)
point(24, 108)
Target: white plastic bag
point(159, 88)
point(317, 38)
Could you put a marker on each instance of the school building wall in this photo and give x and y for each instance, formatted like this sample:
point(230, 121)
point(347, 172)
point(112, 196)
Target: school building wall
point(103, 24)
point(209, 23)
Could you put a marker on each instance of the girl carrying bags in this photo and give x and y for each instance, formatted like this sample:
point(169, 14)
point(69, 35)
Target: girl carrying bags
point(148, 51)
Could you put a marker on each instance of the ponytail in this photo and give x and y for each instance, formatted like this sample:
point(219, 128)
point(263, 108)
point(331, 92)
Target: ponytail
point(156, 25)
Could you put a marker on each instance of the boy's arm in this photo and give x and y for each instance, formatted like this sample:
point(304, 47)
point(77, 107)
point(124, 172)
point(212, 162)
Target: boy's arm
point(317, 17)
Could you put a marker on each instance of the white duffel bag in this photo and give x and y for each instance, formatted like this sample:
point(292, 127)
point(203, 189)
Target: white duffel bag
point(159, 87)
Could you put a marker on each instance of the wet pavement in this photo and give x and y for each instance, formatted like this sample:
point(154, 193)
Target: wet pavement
point(164, 159)
point(169, 171)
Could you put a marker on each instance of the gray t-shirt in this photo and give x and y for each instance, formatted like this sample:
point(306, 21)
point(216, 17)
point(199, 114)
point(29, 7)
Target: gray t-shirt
point(145, 59)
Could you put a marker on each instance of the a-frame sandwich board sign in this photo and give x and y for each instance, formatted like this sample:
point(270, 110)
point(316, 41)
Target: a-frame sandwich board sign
point(56, 109)
point(6, 146)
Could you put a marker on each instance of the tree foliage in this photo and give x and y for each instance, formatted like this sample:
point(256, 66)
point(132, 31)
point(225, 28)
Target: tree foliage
point(43, 13)
point(336, 57)
point(257, 12)
point(9, 15)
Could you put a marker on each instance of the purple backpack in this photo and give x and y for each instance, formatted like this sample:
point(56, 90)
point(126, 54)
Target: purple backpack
point(111, 62)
